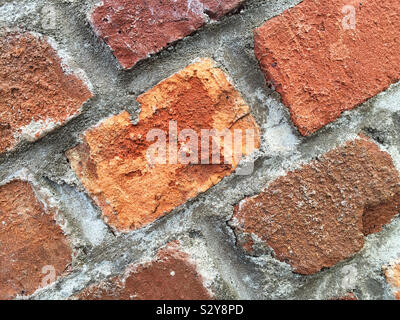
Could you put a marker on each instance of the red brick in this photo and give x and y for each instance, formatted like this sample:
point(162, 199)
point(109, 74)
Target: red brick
point(36, 95)
point(136, 29)
point(318, 215)
point(171, 276)
point(112, 160)
point(392, 274)
point(30, 239)
point(321, 69)
point(218, 8)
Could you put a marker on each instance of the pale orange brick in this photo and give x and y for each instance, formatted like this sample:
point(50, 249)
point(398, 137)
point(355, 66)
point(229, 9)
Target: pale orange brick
point(320, 65)
point(392, 274)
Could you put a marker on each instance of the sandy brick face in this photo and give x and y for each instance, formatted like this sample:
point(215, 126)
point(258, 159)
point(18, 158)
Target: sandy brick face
point(36, 95)
point(136, 29)
point(170, 276)
point(322, 63)
point(32, 245)
point(217, 8)
point(318, 215)
point(113, 162)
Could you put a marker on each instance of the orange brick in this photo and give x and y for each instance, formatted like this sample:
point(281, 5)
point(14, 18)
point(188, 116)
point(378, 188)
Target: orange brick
point(32, 245)
point(392, 274)
point(320, 65)
point(318, 215)
point(136, 29)
point(36, 95)
point(171, 276)
point(112, 161)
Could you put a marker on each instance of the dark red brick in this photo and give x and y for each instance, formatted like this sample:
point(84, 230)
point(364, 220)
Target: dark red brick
point(171, 276)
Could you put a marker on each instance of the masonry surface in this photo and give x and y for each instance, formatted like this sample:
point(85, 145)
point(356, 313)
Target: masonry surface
point(307, 210)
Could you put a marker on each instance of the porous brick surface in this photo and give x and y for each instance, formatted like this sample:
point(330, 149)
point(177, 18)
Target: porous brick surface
point(31, 242)
point(392, 274)
point(199, 149)
point(136, 29)
point(36, 93)
point(320, 65)
point(113, 162)
point(318, 215)
point(170, 276)
point(347, 297)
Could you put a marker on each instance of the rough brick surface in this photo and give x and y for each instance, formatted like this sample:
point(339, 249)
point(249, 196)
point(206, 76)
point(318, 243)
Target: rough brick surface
point(112, 162)
point(392, 274)
point(318, 215)
point(320, 68)
point(30, 239)
point(171, 276)
point(136, 29)
point(36, 95)
point(93, 201)
point(218, 8)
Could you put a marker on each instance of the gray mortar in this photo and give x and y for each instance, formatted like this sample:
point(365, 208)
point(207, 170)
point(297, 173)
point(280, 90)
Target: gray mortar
point(201, 223)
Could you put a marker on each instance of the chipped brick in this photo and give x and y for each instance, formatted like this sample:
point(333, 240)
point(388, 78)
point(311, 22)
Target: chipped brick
point(136, 29)
point(30, 240)
point(321, 68)
point(112, 161)
point(218, 8)
point(171, 276)
point(36, 95)
point(318, 215)
point(392, 274)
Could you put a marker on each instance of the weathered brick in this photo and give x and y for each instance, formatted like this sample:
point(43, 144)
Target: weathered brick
point(30, 240)
point(318, 215)
point(136, 29)
point(36, 94)
point(112, 161)
point(392, 274)
point(171, 276)
point(320, 66)
point(217, 8)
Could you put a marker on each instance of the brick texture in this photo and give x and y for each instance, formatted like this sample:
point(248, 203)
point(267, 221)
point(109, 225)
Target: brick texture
point(136, 29)
point(171, 276)
point(36, 95)
point(318, 215)
point(392, 274)
point(89, 212)
point(112, 162)
point(30, 239)
point(321, 68)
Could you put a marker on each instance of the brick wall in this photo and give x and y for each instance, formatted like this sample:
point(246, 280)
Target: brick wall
point(199, 149)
